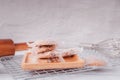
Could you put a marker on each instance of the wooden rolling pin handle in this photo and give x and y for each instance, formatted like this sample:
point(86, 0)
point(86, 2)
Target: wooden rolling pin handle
point(21, 46)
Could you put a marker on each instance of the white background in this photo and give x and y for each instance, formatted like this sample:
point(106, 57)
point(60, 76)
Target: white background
point(65, 20)
point(81, 20)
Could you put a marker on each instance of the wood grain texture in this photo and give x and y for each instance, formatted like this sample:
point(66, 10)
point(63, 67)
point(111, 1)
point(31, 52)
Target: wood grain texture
point(29, 63)
point(21, 46)
point(7, 47)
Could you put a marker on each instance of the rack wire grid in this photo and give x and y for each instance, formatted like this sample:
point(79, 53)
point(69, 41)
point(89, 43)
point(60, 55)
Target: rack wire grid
point(13, 66)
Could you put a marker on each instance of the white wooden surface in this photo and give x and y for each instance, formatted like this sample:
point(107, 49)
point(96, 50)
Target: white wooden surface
point(64, 20)
point(81, 20)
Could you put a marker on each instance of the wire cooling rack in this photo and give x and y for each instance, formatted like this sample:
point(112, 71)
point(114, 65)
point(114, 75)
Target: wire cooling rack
point(12, 64)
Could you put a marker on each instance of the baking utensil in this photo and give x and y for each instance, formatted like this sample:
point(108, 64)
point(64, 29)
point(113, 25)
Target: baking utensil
point(110, 47)
point(8, 47)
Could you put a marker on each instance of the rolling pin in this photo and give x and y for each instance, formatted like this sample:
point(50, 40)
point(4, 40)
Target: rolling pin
point(8, 47)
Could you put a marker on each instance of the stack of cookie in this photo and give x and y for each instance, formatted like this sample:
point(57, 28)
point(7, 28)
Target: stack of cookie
point(48, 50)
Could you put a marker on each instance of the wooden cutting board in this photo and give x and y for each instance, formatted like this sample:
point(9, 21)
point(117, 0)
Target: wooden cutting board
point(29, 63)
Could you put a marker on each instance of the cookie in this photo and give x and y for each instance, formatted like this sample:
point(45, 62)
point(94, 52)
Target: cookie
point(57, 53)
point(43, 46)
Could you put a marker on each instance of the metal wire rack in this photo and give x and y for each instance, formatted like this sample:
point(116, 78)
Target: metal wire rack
point(12, 64)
